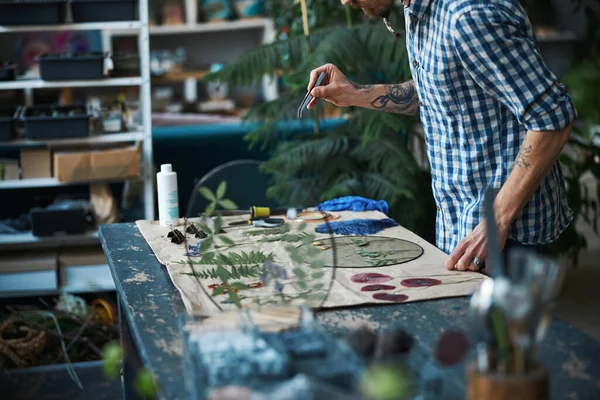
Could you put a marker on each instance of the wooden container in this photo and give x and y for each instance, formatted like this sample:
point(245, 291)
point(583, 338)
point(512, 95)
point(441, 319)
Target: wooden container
point(530, 386)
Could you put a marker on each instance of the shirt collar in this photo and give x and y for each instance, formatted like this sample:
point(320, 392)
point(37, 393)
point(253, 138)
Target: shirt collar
point(417, 7)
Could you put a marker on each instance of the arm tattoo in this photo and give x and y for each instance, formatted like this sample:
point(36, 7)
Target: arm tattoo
point(400, 98)
point(523, 157)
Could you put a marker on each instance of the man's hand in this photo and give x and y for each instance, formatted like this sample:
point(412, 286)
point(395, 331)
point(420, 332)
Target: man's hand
point(474, 245)
point(399, 98)
point(335, 89)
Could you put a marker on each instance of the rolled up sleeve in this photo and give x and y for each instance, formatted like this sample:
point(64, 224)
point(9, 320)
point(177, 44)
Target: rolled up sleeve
point(497, 49)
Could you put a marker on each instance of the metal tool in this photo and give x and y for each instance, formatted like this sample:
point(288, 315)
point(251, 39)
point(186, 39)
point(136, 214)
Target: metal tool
point(309, 97)
point(494, 257)
point(260, 222)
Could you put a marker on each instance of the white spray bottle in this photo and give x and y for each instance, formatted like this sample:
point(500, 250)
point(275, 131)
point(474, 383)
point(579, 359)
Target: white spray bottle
point(168, 198)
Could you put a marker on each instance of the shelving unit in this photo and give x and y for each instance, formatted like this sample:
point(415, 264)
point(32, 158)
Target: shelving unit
point(233, 39)
point(81, 278)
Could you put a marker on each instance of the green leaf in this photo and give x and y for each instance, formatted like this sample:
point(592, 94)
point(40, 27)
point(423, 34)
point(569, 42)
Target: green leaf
point(218, 224)
point(226, 240)
point(319, 286)
point(112, 355)
point(299, 272)
point(239, 286)
point(227, 204)
point(317, 275)
point(145, 385)
point(206, 243)
point(317, 264)
point(218, 290)
point(222, 274)
point(294, 254)
point(210, 209)
point(207, 194)
point(221, 190)
point(205, 228)
point(302, 226)
point(234, 298)
point(302, 285)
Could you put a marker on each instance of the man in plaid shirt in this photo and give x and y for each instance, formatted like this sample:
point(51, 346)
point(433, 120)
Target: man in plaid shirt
point(493, 114)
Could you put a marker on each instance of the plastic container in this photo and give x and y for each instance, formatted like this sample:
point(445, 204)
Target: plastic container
point(55, 122)
point(168, 198)
point(8, 122)
point(103, 10)
point(8, 71)
point(126, 65)
point(32, 12)
point(71, 66)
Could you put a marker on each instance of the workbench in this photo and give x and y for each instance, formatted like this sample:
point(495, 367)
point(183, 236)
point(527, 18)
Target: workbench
point(149, 308)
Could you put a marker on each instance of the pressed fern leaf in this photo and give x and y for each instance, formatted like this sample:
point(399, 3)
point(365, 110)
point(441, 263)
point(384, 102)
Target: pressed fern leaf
point(280, 230)
point(244, 271)
point(237, 259)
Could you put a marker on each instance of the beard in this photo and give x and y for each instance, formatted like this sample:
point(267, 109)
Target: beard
point(374, 8)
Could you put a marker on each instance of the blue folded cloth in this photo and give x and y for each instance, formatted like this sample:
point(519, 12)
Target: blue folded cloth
point(353, 203)
point(356, 227)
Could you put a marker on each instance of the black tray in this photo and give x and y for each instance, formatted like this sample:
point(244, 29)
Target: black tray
point(48, 222)
point(8, 122)
point(40, 124)
point(32, 12)
point(61, 67)
point(8, 71)
point(103, 10)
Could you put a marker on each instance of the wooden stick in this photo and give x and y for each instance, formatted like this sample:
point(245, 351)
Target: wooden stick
point(305, 17)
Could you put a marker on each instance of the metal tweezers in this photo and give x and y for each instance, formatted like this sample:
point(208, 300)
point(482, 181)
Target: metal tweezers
point(308, 96)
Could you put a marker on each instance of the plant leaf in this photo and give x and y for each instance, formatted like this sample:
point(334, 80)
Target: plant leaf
point(319, 286)
point(205, 228)
point(299, 272)
point(221, 190)
point(317, 275)
point(234, 298)
point(207, 194)
point(218, 290)
point(210, 209)
point(222, 274)
point(218, 224)
point(240, 286)
point(226, 240)
point(227, 204)
point(206, 243)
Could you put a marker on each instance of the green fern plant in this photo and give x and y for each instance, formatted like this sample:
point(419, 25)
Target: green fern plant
point(369, 156)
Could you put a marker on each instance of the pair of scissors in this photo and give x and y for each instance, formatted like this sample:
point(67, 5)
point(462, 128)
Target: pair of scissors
point(308, 96)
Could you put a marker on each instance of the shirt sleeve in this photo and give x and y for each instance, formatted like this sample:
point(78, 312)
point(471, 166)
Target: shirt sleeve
point(497, 49)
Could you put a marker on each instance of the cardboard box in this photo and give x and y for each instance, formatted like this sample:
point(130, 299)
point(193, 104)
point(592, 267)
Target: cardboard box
point(36, 163)
point(17, 261)
point(97, 164)
point(81, 256)
point(9, 170)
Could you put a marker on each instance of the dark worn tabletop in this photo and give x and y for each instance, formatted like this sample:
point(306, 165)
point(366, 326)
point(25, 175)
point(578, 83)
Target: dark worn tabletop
point(152, 305)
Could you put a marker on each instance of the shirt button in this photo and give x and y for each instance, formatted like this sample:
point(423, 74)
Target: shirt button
point(416, 64)
point(420, 104)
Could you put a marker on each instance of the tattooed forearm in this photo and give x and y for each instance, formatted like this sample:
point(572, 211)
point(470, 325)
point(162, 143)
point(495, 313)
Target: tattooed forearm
point(399, 98)
point(361, 87)
point(523, 157)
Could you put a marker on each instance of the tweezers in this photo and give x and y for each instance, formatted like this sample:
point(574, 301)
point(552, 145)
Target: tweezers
point(308, 96)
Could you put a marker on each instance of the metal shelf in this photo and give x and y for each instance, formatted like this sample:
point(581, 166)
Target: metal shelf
point(225, 26)
point(40, 84)
point(49, 241)
point(88, 26)
point(93, 139)
point(51, 182)
point(548, 37)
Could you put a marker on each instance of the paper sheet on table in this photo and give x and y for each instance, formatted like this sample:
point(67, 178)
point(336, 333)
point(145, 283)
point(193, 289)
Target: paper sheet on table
point(343, 292)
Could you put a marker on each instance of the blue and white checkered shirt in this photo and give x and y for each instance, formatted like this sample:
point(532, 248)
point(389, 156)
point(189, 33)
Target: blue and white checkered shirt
point(482, 84)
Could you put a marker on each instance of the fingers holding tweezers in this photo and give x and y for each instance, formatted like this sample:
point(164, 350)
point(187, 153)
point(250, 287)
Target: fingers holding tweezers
point(308, 98)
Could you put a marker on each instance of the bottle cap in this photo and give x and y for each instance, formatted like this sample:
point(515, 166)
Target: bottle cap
point(166, 168)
